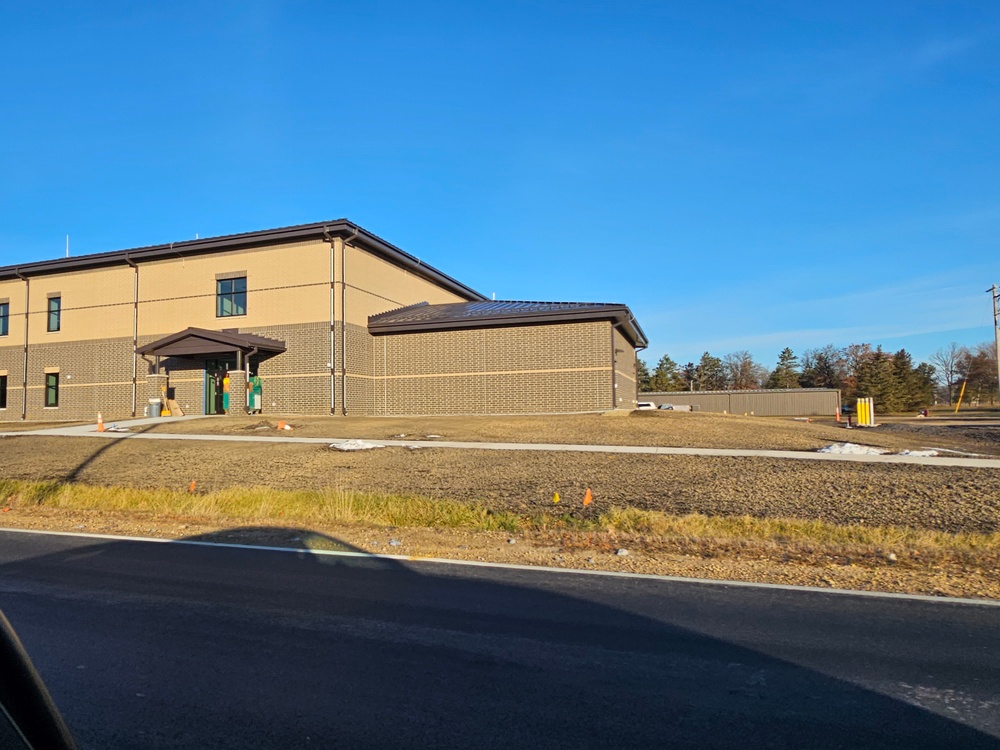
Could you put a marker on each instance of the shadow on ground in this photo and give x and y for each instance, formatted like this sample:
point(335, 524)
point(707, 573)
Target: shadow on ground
point(193, 644)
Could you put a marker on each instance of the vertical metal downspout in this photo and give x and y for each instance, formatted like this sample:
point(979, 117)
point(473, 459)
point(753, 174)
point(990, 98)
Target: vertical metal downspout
point(614, 370)
point(135, 331)
point(333, 336)
point(24, 371)
point(343, 322)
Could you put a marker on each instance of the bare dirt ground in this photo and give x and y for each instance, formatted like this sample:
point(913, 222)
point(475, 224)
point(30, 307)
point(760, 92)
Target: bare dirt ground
point(21, 426)
point(652, 428)
point(953, 499)
point(934, 498)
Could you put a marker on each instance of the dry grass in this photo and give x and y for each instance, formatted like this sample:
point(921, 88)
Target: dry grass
point(317, 508)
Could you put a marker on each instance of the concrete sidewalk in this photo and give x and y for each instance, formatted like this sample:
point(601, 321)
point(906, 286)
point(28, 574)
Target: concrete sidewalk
point(90, 430)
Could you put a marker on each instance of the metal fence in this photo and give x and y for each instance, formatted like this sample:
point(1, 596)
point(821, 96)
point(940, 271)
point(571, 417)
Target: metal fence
point(791, 402)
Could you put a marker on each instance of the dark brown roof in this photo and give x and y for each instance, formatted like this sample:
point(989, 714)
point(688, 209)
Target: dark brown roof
point(342, 228)
point(198, 342)
point(425, 317)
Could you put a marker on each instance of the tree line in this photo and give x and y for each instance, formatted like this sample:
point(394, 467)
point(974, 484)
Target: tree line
point(858, 371)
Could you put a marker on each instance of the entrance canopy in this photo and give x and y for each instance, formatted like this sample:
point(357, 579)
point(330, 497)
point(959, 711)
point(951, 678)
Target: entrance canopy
point(200, 342)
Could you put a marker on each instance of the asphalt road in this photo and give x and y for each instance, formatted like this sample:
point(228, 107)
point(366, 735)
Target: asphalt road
point(167, 645)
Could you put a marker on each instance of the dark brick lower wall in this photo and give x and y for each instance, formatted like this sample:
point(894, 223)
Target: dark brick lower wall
point(94, 376)
point(546, 368)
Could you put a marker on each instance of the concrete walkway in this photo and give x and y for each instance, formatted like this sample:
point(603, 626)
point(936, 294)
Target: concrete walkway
point(89, 430)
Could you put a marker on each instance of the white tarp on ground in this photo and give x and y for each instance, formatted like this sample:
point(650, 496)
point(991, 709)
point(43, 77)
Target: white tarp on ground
point(355, 445)
point(868, 450)
point(853, 449)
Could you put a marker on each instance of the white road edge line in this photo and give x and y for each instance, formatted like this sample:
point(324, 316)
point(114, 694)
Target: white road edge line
point(528, 568)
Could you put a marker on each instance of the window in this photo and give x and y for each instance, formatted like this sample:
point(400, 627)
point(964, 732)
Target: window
point(52, 389)
point(231, 297)
point(4, 318)
point(3, 391)
point(55, 313)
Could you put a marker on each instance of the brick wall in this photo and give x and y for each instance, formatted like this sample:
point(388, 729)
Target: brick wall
point(11, 364)
point(94, 376)
point(545, 368)
point(298, 380)
point(625, 382)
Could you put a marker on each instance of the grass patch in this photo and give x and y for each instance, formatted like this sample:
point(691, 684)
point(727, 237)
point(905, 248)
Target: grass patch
point(317, 508)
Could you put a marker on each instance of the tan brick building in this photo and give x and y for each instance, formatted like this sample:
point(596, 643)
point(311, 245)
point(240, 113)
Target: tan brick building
point(323, 318)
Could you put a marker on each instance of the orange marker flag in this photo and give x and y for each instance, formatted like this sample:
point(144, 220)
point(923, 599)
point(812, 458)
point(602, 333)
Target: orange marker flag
point(588, 498)
point(191, 488)
point(555, 498)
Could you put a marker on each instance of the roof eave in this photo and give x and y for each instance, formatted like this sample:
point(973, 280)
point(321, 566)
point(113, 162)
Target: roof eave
point(341, 228)
point(621, 317)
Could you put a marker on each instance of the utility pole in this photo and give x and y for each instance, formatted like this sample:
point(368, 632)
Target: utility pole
point(996, 325)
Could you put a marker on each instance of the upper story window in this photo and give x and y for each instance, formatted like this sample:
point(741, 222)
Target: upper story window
point(231, 297)
point(55, 314)
point(4, 318)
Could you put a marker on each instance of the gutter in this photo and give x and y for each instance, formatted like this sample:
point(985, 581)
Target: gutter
point(340, 227)
point(24, 370)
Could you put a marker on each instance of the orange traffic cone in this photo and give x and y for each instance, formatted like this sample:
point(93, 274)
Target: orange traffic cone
point(100, 422)
point(588, 497)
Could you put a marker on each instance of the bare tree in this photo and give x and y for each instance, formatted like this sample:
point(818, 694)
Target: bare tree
point(946, 362)
point(742, 372)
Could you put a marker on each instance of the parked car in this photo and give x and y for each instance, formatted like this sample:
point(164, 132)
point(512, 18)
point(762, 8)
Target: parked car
point(645, 406)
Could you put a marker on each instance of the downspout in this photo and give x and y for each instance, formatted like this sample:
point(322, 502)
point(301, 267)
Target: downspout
point(614, 370)
point(24, 371)
point(246, 381)
point(343, 322)
point(333, 313)
point(135, 331)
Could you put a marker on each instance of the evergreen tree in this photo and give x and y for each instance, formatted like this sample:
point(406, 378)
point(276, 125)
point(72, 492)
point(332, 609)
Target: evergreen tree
point(912, 390)
point(642, 376)
point(786, 372)
point(666, 376)
point(923, 383)
point(875, 377)
point(689, 374)
point(710, 374)
point(823, 368)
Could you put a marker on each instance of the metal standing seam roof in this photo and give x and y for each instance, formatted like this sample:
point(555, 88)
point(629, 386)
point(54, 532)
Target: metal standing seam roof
point(426, 317)
point(342, 228)
point(198, 341)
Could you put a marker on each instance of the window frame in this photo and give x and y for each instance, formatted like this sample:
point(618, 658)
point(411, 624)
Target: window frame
point(3, 391)
point(4, 318)
point(54, 314)
point(52, 387)
point(231, 297)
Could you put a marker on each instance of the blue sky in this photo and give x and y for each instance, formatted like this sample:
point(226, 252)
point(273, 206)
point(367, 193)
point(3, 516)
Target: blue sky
point(743, 175)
